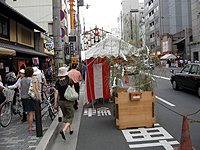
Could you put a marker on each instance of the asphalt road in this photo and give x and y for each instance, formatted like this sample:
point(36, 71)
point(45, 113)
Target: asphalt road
point(170, 117)
point(100, 132)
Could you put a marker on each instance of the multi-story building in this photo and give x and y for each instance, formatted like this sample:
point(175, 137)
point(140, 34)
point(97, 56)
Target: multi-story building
point(41, 12)
point(168, 25)
point(195, 43)
point(19, 43)
point(134, 10)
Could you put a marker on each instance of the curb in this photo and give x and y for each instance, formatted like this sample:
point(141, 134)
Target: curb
point(49, 136)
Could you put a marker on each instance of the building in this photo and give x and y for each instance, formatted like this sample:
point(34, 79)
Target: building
point(20, 40)
point(131, 28)
point(195, 43)
point(41, 12)
point(168, 26)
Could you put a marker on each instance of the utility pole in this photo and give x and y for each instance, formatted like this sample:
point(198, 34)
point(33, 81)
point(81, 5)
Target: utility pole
point(58, 52)
point(78, 36)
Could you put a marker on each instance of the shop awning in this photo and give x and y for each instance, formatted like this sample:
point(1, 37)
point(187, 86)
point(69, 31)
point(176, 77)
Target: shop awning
point(20, 49)
point(178, 41)
point(7, 52)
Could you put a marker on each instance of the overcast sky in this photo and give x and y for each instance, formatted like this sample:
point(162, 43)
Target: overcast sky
point(103, 13)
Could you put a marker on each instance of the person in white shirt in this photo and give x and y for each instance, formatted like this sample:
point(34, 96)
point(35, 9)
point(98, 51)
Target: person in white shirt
point(17, 84)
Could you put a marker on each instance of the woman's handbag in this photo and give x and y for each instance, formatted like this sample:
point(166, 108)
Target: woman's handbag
point(70, 94)
point(31, 90)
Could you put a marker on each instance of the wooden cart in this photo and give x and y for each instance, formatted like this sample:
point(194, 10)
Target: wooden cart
point(134, 109)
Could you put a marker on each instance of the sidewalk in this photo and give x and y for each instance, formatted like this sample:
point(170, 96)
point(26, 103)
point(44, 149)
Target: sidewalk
point(17, 137)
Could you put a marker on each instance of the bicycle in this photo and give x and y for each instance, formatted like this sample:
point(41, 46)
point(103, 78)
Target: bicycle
point(18, 109)
point(6, 108)
point(48, 96)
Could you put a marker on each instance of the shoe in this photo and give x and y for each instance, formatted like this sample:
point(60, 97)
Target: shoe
point(71, 132)
point(23, 120)
point(33, 129)
point(75, 108)
point(63, 136)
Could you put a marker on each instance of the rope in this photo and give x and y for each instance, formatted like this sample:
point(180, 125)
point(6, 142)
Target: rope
point(190, 120)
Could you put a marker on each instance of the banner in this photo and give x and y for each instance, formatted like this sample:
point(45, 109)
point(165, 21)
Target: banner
point(20, 63)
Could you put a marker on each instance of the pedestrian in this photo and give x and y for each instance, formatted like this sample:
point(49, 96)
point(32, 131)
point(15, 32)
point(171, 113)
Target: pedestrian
point(189, 61)
point(84, 70)
point(10, 77)
point(17, 85)
point(41, 79)
point(49, 74)
point(76, 77)
point(65, 105)
point(27, 101)
point(181, 61)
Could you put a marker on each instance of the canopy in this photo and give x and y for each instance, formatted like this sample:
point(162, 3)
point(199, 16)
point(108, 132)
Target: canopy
point(169, 56)
point(8, 52)
point(108, 47)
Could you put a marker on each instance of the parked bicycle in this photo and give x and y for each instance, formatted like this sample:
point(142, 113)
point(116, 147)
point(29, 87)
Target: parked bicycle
point(48, 100)
point(7, 109)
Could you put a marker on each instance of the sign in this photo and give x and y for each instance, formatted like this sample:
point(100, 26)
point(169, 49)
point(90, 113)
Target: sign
point(165, 46)
point(49, 45)
point(62, 15)
point(62, 32)
point(96, 32)
point(35, 61)
point(47, 59)
point(71, 49)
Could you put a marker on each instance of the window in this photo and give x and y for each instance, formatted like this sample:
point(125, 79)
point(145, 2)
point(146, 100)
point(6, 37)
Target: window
point(198, 70)
point(4, 27)
point(186, 69)
point(193, 69)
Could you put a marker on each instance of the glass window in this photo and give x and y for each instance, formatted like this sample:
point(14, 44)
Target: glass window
point(186, 69)
point(198, 70)
point(193, 69)
point(4, 27)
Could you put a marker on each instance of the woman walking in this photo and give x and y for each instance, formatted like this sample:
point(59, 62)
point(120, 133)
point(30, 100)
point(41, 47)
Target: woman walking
point(27, 101)
point(65, 105)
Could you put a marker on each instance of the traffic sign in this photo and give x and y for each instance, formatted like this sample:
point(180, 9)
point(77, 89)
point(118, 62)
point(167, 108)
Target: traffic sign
point(62, 32)
point(62, 15)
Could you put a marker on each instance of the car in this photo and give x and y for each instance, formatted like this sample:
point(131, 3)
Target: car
point(188, 78)
point(130, 69)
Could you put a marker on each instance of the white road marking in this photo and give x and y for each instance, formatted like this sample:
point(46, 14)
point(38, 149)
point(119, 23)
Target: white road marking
point(161, 77)
point(102, 111)
point(164, 101)
point(144, 135)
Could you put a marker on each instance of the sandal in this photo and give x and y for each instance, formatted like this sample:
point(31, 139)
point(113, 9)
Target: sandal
point(33, 129)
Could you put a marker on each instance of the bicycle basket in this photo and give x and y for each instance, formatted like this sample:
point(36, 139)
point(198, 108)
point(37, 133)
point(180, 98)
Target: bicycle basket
point(9, 94)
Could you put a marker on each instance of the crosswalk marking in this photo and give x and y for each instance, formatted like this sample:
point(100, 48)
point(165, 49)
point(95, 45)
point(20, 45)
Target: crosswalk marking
point(148, 137)
point(102, 111)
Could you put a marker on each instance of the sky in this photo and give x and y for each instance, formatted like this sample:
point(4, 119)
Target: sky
point(103, 13)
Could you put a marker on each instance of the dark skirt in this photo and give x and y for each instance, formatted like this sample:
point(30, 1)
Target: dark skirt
point(67, 110)
point(28, 105)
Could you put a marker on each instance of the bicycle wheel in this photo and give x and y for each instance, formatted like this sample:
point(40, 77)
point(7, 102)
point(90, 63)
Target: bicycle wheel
point(6, 114)
point(52, 113)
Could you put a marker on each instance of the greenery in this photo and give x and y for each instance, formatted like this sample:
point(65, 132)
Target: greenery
point(194, 42)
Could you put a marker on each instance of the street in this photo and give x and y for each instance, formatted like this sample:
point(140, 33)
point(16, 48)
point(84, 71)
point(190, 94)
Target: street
point(100, 132)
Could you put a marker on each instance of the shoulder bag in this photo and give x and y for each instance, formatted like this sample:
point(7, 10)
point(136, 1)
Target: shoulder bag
point(31, 90)
point(70, 94)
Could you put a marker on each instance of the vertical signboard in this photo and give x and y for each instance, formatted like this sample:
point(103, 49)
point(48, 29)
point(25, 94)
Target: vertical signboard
point(71, 49)
point(165, 46)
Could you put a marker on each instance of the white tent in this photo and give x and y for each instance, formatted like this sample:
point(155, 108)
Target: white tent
point(98, 70)
point(110, 46)
point(169, 56)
